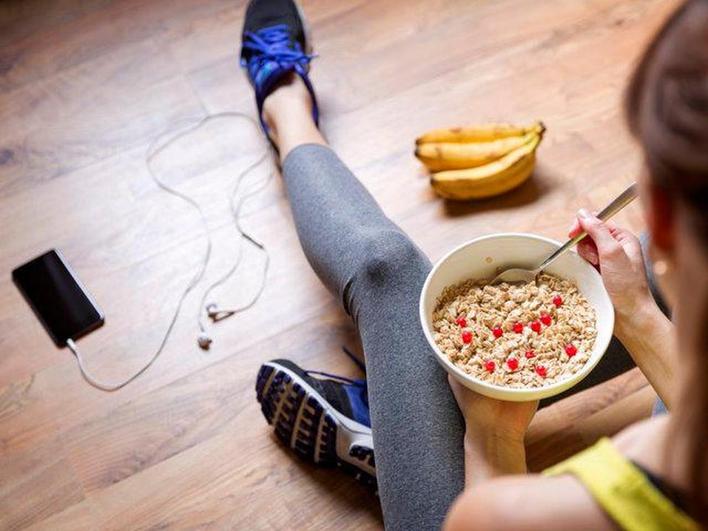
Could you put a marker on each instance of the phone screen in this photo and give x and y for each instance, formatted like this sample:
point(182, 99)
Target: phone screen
point(57, 297)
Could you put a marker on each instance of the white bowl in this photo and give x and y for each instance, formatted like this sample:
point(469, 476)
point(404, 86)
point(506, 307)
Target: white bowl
point(482, 258)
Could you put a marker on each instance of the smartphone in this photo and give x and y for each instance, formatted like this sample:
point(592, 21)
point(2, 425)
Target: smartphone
point(57, 298)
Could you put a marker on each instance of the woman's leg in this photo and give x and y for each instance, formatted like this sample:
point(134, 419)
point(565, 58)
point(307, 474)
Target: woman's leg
point(374, 268)
point(377, 272)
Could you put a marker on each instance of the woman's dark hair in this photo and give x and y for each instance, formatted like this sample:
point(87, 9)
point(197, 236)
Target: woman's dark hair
point(667, 111)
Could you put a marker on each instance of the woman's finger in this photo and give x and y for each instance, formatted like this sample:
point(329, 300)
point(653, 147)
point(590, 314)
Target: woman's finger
point(588, 251)
point(625, 235)
point(574, 229)
point(630, 244)
point(599, 232)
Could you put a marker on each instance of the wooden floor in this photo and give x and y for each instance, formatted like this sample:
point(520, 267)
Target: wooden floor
point(86, 84)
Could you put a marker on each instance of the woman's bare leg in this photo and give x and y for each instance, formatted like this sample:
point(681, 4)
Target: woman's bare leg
point(288, 113)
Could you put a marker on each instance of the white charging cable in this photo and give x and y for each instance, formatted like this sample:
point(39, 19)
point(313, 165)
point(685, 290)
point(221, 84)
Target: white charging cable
point(216, 314)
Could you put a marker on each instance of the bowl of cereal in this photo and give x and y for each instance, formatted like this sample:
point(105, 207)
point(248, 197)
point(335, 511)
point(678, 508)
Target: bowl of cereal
point(522, 341)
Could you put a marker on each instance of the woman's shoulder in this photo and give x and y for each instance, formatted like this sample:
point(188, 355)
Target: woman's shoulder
point(528, 502)
point(537, 501)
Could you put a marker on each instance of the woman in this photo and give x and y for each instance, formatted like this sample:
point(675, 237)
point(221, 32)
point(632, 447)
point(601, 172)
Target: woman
point(420, 439)
point(656, 471)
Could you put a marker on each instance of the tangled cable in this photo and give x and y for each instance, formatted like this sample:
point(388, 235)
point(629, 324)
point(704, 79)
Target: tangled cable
point(235, 206)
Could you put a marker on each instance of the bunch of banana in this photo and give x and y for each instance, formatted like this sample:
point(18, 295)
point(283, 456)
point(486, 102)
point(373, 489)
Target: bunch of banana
point(480, 161)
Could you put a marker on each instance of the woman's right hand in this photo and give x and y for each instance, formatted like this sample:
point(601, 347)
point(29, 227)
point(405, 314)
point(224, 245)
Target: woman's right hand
point(617, 254)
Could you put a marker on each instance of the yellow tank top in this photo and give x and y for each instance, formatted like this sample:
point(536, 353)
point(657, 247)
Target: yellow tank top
point(622, 490)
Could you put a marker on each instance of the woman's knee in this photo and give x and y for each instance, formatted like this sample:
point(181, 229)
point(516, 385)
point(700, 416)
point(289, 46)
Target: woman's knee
point(390, 255)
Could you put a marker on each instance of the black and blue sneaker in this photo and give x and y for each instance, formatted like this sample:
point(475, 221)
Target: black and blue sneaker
point(323, 418)
point(275, 44)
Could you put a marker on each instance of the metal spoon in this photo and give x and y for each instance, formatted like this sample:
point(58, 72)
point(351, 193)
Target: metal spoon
point(527, 275)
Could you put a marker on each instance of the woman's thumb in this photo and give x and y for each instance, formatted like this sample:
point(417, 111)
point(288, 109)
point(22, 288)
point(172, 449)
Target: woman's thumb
point(598, 231)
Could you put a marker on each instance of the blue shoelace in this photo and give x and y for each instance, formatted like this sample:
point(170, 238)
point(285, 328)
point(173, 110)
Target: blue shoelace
point(357, 392)
point(272, 44)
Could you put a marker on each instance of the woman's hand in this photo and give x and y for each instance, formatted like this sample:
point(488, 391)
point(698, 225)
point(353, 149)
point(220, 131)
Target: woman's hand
point(488, 417)
point(641, 327)
point(494, 435)
point(617, 254)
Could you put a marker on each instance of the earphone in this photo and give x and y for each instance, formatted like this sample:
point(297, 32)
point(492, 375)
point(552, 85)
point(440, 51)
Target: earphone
point(212, 310)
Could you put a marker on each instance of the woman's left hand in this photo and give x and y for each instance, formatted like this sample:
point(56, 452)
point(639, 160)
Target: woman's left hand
point(490, 417)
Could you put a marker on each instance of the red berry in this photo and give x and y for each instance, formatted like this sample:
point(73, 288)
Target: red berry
point(541, 371)
point(536, 327)
point(461, 321)
point(498, 332)
point(489, 365)
point(558, 301)
point(546, 319)
point(513, 363)
point(530, 354)
point(518, 328)
point(467, 337)
point(571, 350)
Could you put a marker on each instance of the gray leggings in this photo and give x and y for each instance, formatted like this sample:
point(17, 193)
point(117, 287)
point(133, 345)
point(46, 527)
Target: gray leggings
point(378, 272)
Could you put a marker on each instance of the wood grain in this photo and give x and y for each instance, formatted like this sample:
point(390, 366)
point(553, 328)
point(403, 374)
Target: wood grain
point(85, 85)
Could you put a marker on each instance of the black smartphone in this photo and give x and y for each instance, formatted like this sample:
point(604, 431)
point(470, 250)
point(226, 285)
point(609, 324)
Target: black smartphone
point(58, 299)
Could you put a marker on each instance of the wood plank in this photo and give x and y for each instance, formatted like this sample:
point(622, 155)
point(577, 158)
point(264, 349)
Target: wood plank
point(78, 517)
point(165, 422)
point(202, 484)
point(36, 483)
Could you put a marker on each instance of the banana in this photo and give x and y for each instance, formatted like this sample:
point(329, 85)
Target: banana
point(480, 133)
point(438, 156)
point(491, 179)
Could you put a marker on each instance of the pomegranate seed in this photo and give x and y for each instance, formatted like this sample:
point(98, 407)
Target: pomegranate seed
point(461, 321)
point(490, 365)
point(571, 350)
point(558, 301)
point(467, 337)
point(536, 327)
point(546, 319)
point(513, 363)
point(530, 354)
point(498, 332)
point(518, 328)
point(541, 371)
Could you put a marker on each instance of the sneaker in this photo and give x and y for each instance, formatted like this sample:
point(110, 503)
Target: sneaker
point(275, 44)
point(323, 418)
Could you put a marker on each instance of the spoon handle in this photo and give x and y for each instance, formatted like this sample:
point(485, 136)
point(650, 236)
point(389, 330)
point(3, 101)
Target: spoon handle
point(610, 210)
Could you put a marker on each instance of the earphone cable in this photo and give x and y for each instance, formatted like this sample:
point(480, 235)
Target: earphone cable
point(218, 315)
point(152, 151)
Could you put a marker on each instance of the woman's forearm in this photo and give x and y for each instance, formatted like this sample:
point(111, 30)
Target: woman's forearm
point(489, 455)
point(649, 337)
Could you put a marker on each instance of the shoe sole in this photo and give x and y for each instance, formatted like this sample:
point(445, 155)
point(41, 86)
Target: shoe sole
point(306, 423)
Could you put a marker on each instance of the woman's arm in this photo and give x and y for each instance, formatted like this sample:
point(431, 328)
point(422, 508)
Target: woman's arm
point(489, 455)
point(639, 324)
point(494, 434)
point(650, 338)
point(494, 447)
point(527, 503)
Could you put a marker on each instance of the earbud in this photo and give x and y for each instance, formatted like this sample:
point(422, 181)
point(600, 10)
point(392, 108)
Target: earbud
point(204, 341)
point(217, 314)
point(212, 310)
